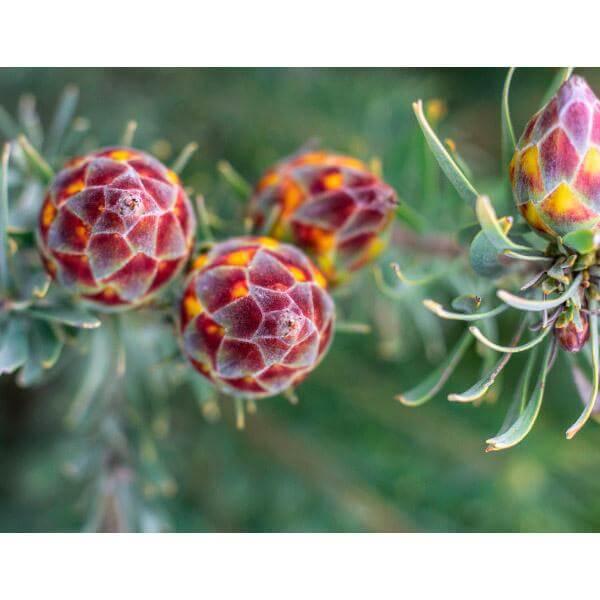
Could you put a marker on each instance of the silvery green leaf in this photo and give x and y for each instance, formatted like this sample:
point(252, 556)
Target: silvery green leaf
point(539, 305)
point(508, 135)
point(457, 178)
point(517, 431)
point(45, 346)
point(484, 257)
point(428, 388)
point(13, 345)
point(467, 303)
point(440, 311)
point(72, 316)
point(494, 229)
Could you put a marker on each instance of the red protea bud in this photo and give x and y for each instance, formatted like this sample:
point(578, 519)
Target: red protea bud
point(555, 172)
point(332, 206)
point(115, 227)
point(572, 339)
point(255, 316)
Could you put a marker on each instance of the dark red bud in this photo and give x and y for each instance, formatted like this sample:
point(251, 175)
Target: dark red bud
point(571, 338)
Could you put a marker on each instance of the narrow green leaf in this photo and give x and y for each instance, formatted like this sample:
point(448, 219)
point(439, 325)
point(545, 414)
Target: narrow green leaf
point(538, 305)
point(8, 126)
point(509, 142)
point(44, 349)
point(39, 166)
point(30, 119)
point(4, 252)
point(234, 179)
point(95, 374)
point(434, 383)
point(581, 241)
point(72, 316)
point(184, 156)
point(528, 256)
point(13, 346)
point(349, 327)
point(65, 111)
point(417, 281)
point(587, 411)
point(440, 311)
point(492, 227)
point(519, 401)
point(516, 432)
point(457, 178)
point(509, 349)
point(129, 133)
point(480, 388)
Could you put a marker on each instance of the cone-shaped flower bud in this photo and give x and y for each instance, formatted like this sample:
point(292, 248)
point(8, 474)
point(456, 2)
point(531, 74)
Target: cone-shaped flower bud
point(555, 172)
point(572, 339)
point(255, 316)
point(115, 227)
point(331, 206)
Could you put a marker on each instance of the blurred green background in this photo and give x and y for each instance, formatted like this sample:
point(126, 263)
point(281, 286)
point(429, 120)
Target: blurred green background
point(348, 457)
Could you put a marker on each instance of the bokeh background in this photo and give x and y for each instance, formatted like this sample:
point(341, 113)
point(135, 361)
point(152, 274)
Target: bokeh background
point(348, 457)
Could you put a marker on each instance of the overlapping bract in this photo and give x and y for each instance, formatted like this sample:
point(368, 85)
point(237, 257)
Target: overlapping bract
point(555, 172)
point(255, 316)
point(115, 227)
point(332, 206)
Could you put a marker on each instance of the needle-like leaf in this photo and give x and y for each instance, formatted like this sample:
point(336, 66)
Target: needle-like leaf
point(4, 273)
point(65, 111)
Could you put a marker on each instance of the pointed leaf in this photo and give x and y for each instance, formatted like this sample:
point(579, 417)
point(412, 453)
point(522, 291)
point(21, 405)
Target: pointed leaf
point(457, 178)
point(538, 305)
point(479, 389)
point(509, 349)
point(440, 311)
point(587, 411)
point(37, 164)
point(433, 384)
point(65, 111)
point(234, 179)
point(493, 228)
point(44, 349)
point(508, 135)
point(519, 429)
point(72, 316)
point(13, 346)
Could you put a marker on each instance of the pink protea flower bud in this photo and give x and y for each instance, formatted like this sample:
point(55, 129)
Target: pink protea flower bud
point(572, 339)
point(555, 172)
point(332, 206)
point(115, 227)
point(255, 316)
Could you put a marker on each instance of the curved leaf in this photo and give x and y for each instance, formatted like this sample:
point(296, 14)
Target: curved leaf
point(587, 411)
point(13, 346)
point(428, 388)
point(516, 432)
point(67, 315)
point(457, 178)
point(486, 215)
point(509, 349)
point(440, 311)
point(508, 135)
point(538, 305)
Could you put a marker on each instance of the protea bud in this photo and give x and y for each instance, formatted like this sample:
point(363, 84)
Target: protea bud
point(332, 206)
point(115, 227)
point(555, 172)
point(255, 316)
point(571, 338)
